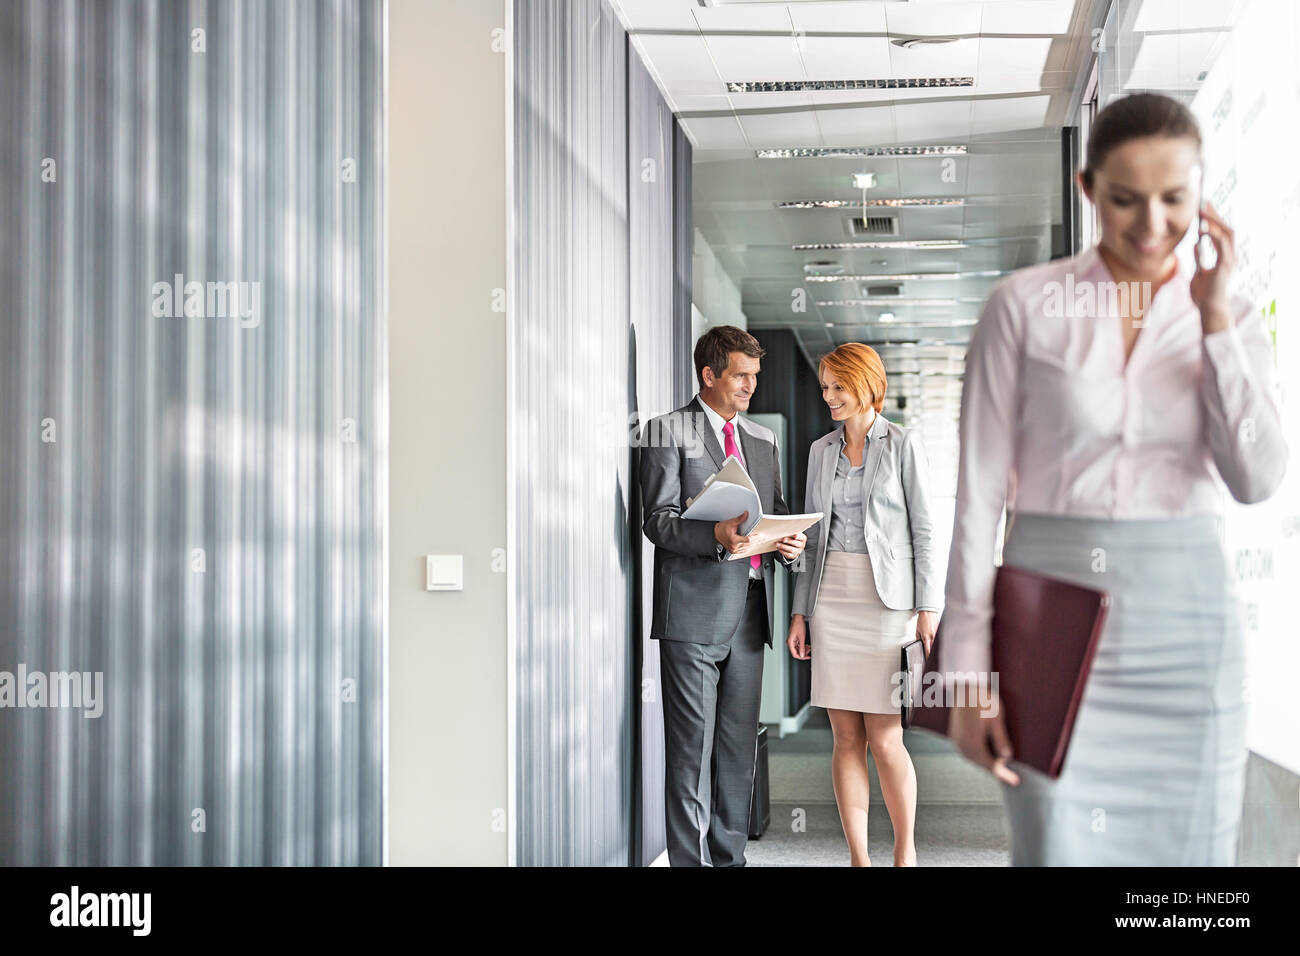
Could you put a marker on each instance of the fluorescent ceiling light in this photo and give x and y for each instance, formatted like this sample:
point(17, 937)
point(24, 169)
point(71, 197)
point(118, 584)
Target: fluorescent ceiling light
point(891, 83)
point(906, 276)
point(884, 244)
point(955, 323)
point(889, 300)
point(864, 180)
point(858, 152)
point(846, 203)
point(885, 317)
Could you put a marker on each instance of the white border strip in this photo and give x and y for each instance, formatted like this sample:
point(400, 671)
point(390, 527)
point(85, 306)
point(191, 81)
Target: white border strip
point(512, 647)
point(385, 695)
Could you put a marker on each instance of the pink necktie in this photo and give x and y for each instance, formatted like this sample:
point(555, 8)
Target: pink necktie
point(728, 432)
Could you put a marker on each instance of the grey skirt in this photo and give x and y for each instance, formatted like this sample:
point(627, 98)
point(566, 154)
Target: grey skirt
point(1155, 769)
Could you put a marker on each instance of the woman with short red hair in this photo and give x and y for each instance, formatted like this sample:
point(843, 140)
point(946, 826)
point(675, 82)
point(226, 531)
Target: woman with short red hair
point(869, 585)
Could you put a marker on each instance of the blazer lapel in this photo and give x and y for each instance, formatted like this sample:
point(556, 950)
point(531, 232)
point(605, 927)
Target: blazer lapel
point(875, 448)
point(830, 459)
point(700, 422)
point(750, 448)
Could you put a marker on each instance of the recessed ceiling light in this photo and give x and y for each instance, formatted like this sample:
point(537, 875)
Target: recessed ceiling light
point(864, 180)
point(818, 86)
point(883, 244)
point(843, 203)
point(858, 152)
point(885, 317)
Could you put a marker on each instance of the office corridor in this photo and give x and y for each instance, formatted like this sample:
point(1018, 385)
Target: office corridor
point(959, 819)
point(959, 816)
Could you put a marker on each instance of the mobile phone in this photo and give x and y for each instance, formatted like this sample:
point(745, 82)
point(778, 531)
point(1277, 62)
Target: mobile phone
point(1203, 252)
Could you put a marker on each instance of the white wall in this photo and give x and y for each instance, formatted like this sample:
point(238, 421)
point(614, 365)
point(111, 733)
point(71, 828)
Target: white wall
point(447, 212)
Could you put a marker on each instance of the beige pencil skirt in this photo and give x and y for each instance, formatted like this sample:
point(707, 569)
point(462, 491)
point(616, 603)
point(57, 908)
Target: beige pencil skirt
point(855, 639)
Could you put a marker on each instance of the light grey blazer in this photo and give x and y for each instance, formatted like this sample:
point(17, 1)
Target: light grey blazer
point(898, 528)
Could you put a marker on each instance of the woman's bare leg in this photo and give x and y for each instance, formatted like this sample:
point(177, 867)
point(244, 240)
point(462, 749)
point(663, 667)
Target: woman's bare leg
point(849, 777)
point(897, 781)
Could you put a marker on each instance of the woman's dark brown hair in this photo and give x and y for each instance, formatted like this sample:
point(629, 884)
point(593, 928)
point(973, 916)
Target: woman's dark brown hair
point(1136, 117)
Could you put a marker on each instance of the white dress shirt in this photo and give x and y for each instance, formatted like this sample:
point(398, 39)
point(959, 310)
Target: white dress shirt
point(716, 422)
point(1053, 421)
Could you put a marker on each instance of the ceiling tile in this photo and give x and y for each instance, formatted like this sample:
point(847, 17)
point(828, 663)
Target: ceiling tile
point(757, 17)
point(654, 15)
point(746, 59)
point(932, 19)
point(1007, 113)
point(1029, 16)
point(761, 101)
point(921, 122)
point(1011, 55)
point(839, 17)
point(1185, 14)
point(714, 132)
point(845, 58)
point(857, 126)
point(678, 59)
point(1172, 61)
point(781, 129)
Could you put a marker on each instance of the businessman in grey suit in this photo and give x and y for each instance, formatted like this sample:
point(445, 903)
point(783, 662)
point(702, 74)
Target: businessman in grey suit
point(712, 616)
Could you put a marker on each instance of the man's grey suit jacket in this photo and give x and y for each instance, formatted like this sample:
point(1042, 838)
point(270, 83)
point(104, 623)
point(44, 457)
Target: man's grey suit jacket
point(699, 596)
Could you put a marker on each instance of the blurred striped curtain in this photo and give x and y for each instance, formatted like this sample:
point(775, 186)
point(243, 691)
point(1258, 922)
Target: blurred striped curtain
point(569, 455)
point(596, 347)
point(193, 495)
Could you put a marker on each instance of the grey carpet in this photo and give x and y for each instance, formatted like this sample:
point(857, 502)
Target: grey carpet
point(959, 817)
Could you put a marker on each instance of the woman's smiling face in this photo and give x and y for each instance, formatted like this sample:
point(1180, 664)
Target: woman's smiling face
point(842, 403)
point(1146, 193)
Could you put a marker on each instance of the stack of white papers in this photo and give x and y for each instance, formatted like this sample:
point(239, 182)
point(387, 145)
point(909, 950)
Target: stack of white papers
point(729, 493)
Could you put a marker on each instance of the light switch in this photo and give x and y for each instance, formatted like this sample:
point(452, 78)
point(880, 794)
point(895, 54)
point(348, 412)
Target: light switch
point(444, 572)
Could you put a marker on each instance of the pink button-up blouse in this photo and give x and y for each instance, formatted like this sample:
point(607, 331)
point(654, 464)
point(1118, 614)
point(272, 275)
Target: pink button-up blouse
point(1054, 421)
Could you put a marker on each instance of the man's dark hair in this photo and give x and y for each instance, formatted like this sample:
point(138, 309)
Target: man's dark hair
point(716, 345)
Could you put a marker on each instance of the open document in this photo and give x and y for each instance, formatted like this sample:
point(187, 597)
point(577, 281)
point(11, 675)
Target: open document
point(729, 493)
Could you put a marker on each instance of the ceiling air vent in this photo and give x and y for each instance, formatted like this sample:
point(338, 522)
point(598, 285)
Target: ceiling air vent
point(873, 226)
point(873, 290)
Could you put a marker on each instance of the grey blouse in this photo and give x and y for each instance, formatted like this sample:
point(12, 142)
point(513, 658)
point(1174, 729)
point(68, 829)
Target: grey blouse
point(847, 516)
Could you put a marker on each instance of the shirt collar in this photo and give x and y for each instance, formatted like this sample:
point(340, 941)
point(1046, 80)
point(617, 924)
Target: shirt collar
point(872, 428)
point(1090, 265)
point(716, 421)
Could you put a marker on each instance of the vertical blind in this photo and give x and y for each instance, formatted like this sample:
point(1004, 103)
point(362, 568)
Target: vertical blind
point(593, 348)
point(193, 383)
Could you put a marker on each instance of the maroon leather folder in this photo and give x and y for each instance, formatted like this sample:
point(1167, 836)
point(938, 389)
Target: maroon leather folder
point(1045, 632)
